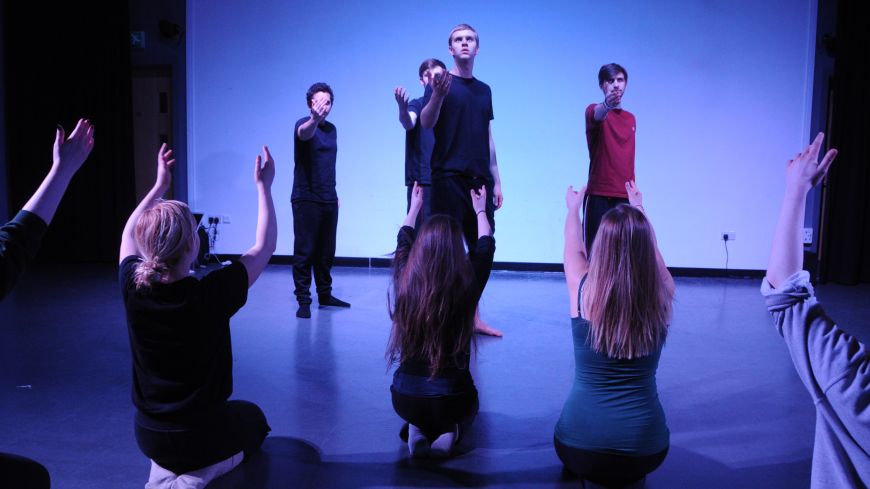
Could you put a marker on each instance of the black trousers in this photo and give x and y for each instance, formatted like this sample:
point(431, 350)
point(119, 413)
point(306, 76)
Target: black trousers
point(314, 225)
point(594, 208)
point(438, 415)
point(183, 447)
point(452, 196)
point(22, 473)
point(608, 469)
point(426, 210)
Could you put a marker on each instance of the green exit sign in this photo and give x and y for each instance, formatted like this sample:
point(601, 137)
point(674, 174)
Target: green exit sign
point(137, 39)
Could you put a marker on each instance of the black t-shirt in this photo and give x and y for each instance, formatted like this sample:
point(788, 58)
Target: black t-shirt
point(314, 171)
point(180, 340)
point(418, 148)
point(462, 131)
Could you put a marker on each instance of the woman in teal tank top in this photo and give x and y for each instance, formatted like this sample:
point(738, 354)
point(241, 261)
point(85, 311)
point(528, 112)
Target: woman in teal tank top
point(612, 430)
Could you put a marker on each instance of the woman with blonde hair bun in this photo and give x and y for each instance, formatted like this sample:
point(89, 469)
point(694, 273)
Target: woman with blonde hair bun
point(612, 430)
point(179, 329)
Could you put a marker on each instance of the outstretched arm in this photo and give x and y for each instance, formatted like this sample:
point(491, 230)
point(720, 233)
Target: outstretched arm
point(801, 174)
point(69, 156)
point(256, 258)
point(165, 162)
point(406, 118)
point(575, 261)
point(635, 198)
point(318, 113)
point(416, 205)
point(440, 87)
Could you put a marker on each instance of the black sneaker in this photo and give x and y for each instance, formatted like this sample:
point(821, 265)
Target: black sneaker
point(329, 300)
point(304, 311)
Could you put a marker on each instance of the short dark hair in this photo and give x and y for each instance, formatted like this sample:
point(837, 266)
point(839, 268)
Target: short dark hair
point(609, 71)
point(318, 87)
point(429, 64)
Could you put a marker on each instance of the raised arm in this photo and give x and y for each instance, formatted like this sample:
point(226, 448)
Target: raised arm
point(440, 87)
point(478, 202)
point(611, 101)
point(69, 156)
point(406, 118)
point(801, 174)
point(165, 162)
point(497, 196)
point(575, 262)
point(319, 110)
point(256, 258)
point(635, 198)
point(416, 205)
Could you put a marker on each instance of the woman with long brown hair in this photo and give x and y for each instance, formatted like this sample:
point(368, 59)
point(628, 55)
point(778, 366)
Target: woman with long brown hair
point(612, 430)
point(436, 287)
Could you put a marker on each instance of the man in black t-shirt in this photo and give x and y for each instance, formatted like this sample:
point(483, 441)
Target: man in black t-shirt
point(459, 109)
point(418, 140)
point(315, 203)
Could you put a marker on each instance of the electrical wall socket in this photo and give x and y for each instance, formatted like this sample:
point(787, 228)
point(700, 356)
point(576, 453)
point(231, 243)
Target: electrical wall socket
point(808, 235)
point(226, 219)
point(732, 235)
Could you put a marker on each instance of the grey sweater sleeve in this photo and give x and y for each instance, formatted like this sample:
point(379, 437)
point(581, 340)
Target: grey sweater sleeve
point(834, 367)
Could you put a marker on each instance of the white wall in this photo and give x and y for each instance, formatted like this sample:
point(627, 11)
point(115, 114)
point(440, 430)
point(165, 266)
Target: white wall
point(721, 91)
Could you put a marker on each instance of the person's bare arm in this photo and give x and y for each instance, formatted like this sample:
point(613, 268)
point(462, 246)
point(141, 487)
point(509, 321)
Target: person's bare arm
point(68, 157)
point(497, 195)
point(165, 162)
point(440, 87)
point(802, 173)
point(318, 113)
point(257, 257)
point(416, 205)
point(574, 257)
point(406, 118)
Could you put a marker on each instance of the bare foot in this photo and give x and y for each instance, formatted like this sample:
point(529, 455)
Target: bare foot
point(481, 327)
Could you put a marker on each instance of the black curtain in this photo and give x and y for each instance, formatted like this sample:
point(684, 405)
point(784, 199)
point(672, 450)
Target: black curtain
point(64, 61)
point(846, 249)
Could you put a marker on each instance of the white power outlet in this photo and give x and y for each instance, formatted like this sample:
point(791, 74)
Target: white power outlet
point(808, 235)
point(730, 235)
point(226, 219)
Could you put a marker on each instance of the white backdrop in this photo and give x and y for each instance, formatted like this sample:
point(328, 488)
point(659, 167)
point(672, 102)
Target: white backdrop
point(721, 91)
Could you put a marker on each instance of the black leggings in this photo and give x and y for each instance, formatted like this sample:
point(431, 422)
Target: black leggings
point(594, 208)
point(438, 415)
point(608, 469)
point(234, 427)
point(23, 473)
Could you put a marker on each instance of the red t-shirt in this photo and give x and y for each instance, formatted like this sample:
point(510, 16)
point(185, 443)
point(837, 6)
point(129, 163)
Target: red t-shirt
point(611, 151)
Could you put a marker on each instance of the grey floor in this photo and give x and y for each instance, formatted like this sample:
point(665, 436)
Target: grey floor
point(738, 415)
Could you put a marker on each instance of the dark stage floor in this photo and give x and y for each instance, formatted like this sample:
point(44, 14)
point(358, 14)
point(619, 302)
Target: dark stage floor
point(738, 415)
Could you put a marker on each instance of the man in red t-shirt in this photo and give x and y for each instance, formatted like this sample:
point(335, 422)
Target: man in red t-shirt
point(610, 137)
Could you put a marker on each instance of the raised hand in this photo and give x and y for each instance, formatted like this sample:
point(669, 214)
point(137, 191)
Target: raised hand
point(613, 98)
point(573, 198)
point(165, 162)
point(478, 199)
point(264, 169)
point(319, 110)
point(635, 198)
point(71, 153)
point(416, 198)
point(805, 171)
point(402, 99)
point(441, 83)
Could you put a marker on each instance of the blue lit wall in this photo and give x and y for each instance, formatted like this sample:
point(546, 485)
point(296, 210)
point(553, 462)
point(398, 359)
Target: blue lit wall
point(721, 92)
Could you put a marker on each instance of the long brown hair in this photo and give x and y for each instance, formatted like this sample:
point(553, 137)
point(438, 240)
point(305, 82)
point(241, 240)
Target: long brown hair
point(629, 305)
point(434, 303)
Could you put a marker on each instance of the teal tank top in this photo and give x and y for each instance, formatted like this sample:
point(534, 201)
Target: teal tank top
point(614, 405)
